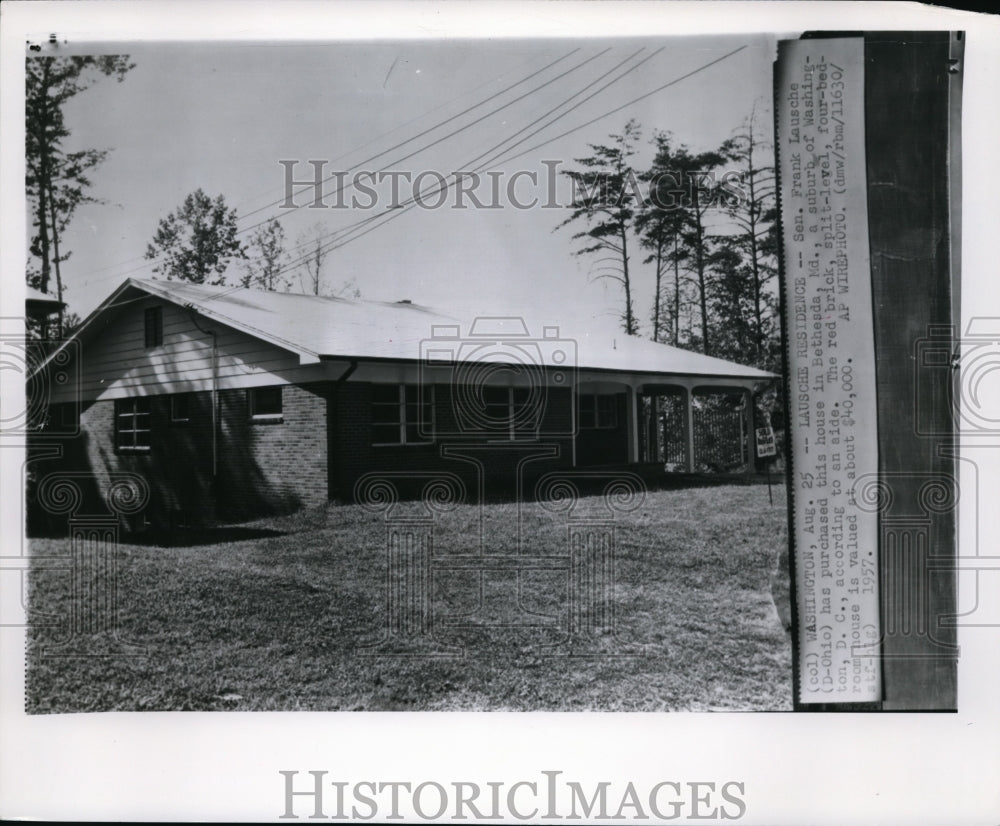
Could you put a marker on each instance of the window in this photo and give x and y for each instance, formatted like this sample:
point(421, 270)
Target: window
point(598, 411)
point(265, 404)
point(400, 416)
point(68, 417)
point(509, 412)
point(132, 424)
point(180, 407)
point(154, 327)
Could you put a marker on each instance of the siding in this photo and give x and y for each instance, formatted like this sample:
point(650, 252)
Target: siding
point(116, 363)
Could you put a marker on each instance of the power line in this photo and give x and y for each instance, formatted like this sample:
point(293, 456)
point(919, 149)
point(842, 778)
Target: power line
point(346, 230)
point(626, 105)
point(337, 243)
point(452, 134)
point(403, 125)
point(340, 233)
point(617, 109)
point(438, 125)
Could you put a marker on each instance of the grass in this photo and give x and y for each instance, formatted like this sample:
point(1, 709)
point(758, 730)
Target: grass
point(271, 616)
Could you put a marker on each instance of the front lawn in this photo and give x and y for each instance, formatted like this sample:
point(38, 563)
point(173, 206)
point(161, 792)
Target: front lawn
point(277, 616)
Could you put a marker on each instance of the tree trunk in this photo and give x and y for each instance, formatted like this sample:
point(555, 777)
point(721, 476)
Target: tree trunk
point(656, 295)
point(699, 253)
point(630, 326)
point(55, 250)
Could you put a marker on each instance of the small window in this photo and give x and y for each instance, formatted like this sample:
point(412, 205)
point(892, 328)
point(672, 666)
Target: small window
point(400, 416)
point(265, 404)
point(154, 327)
point(180, 408)
point(598, 411)
point(133, 430)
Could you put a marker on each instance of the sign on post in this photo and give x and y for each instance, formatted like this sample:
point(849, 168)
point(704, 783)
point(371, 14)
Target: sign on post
point(765, 442)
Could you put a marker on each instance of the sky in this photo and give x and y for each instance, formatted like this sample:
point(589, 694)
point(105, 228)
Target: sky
point(221, 116)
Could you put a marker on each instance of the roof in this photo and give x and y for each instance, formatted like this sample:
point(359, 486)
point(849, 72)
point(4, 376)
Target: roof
point(40, 299)
point(318, 327)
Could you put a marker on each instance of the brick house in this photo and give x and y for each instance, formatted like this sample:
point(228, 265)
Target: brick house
point(232, 403)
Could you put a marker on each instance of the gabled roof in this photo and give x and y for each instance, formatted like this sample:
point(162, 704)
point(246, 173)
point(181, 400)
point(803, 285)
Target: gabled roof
point(317, 327)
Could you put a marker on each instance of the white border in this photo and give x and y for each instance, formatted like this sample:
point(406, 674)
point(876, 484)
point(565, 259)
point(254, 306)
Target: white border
point(797, 768)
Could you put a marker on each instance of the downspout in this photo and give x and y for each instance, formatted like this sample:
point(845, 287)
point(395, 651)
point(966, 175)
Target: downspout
point(351, 367)
point(347, 373)
point(215, 388)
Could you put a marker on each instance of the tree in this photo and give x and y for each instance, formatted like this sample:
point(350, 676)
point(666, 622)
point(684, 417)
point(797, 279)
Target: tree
point(57, 182)
point(266, 257)
point(730, 305)
point(197, 241)
point(699, 194)
point(659, 223)
point(312, 261)
point(606, 195)
point(755, 216)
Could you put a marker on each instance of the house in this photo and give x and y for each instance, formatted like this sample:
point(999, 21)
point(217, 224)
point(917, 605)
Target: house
point(40, 305)
point(236, 402)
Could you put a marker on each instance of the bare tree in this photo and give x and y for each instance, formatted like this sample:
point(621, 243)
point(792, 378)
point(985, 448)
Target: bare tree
point(754, 212)
point(313, 256)
point(606, 195)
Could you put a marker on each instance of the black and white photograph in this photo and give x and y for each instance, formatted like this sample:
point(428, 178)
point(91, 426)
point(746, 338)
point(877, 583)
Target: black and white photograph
point(469, 362)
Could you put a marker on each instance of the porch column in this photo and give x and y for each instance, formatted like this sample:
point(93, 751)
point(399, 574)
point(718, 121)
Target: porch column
point(689, 428)
point(751, 434)
point(632, 411)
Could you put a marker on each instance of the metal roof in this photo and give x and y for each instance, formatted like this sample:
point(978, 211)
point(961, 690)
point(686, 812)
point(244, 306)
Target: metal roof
point(332, 327)
point(318, 327)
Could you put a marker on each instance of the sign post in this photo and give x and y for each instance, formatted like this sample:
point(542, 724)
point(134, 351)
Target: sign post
point(766, 449)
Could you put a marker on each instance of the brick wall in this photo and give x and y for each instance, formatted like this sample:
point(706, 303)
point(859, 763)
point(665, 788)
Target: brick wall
point(352, 454)
point(320, 448)
point(262, 469)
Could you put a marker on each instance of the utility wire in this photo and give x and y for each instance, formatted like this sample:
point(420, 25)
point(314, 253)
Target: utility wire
point(450, 135)
point(438, 125)
point(343, 241)
point(617, 109)
point(339, 235)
